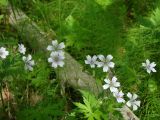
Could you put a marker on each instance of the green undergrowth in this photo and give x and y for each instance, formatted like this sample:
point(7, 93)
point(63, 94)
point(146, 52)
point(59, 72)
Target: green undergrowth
point(127, 30)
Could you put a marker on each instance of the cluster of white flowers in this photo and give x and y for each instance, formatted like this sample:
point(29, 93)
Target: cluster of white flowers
point(57, 59)
point(57, 54)
point(118, 94)
point(100, 61)
point(29, 63)
point(113, 84)
point(3, 53)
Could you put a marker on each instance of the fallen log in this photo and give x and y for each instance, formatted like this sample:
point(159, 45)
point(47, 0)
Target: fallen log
point(72, 73)
point(38, 40)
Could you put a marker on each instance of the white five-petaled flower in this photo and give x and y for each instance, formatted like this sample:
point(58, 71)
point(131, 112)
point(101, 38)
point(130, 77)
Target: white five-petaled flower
point(55, 47)
point(57, 59)
point(149, 66)
point(92, 61)
point(112, 84)
point(105, 62)
point(133, 102)
point(119, 96)
point(29, 63)
point(21, 48)
point(3, 53)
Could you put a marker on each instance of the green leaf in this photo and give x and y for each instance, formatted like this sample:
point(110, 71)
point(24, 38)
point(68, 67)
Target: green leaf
point(70, 21)
point(155, 17)
point(3, 2)
point(1, 17)
point(103, 3)
point(91, 106)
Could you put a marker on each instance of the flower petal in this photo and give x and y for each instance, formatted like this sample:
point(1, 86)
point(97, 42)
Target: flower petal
point(144, 64)
point(121, 94)
point(50, 48)
point(120, 100)
point(99, 64)
point(50, 60)
point(54, 42)
point(149, 71)
point(129, 104)
point(111, 64)
point(94, 58)
point(135, 107)
point(61, 45)
point(29, 57)
point(106, 86)
point(88, 57)
point(107, 81)
point(147, 62)
point(31, 63)
point(113, 89)
point(114, 79)
point(105, 69)
point(129, 95)
point(54, 64)
point(24, 58)
point(101, 57)
point(61, 63)
point(137, 103)
point(87, 62)
point(153, 70)
point(109, 57)
point(30, 68)
point(152, 64)
point(135, 96)
point(117, 84)
point(92, 65)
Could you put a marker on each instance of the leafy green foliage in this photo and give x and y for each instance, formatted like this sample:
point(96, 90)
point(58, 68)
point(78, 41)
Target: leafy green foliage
point(153, 20)
point(3, 2)
point(142, 44)
point(90, 108)
point(87, 27)
point(52, 110)
point(103, 3)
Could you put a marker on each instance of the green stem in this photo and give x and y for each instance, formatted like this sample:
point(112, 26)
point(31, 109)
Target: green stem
point(27, 93)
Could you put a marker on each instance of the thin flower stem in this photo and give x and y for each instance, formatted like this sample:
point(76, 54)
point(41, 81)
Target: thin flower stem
point(27, 93)
point(59, 16)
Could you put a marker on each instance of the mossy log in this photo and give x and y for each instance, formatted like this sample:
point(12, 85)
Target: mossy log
point(72, 73)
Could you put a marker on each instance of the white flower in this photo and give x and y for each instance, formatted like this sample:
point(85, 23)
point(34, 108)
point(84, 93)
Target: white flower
point(29, 63)
point(133, 102)
point(21, 48)
point(3, 53)
point(119, 96)
point(92, 61)
point(105, 62)
point(112, 84)
point(55, 47)
point(149, 66)
point(57, 59)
